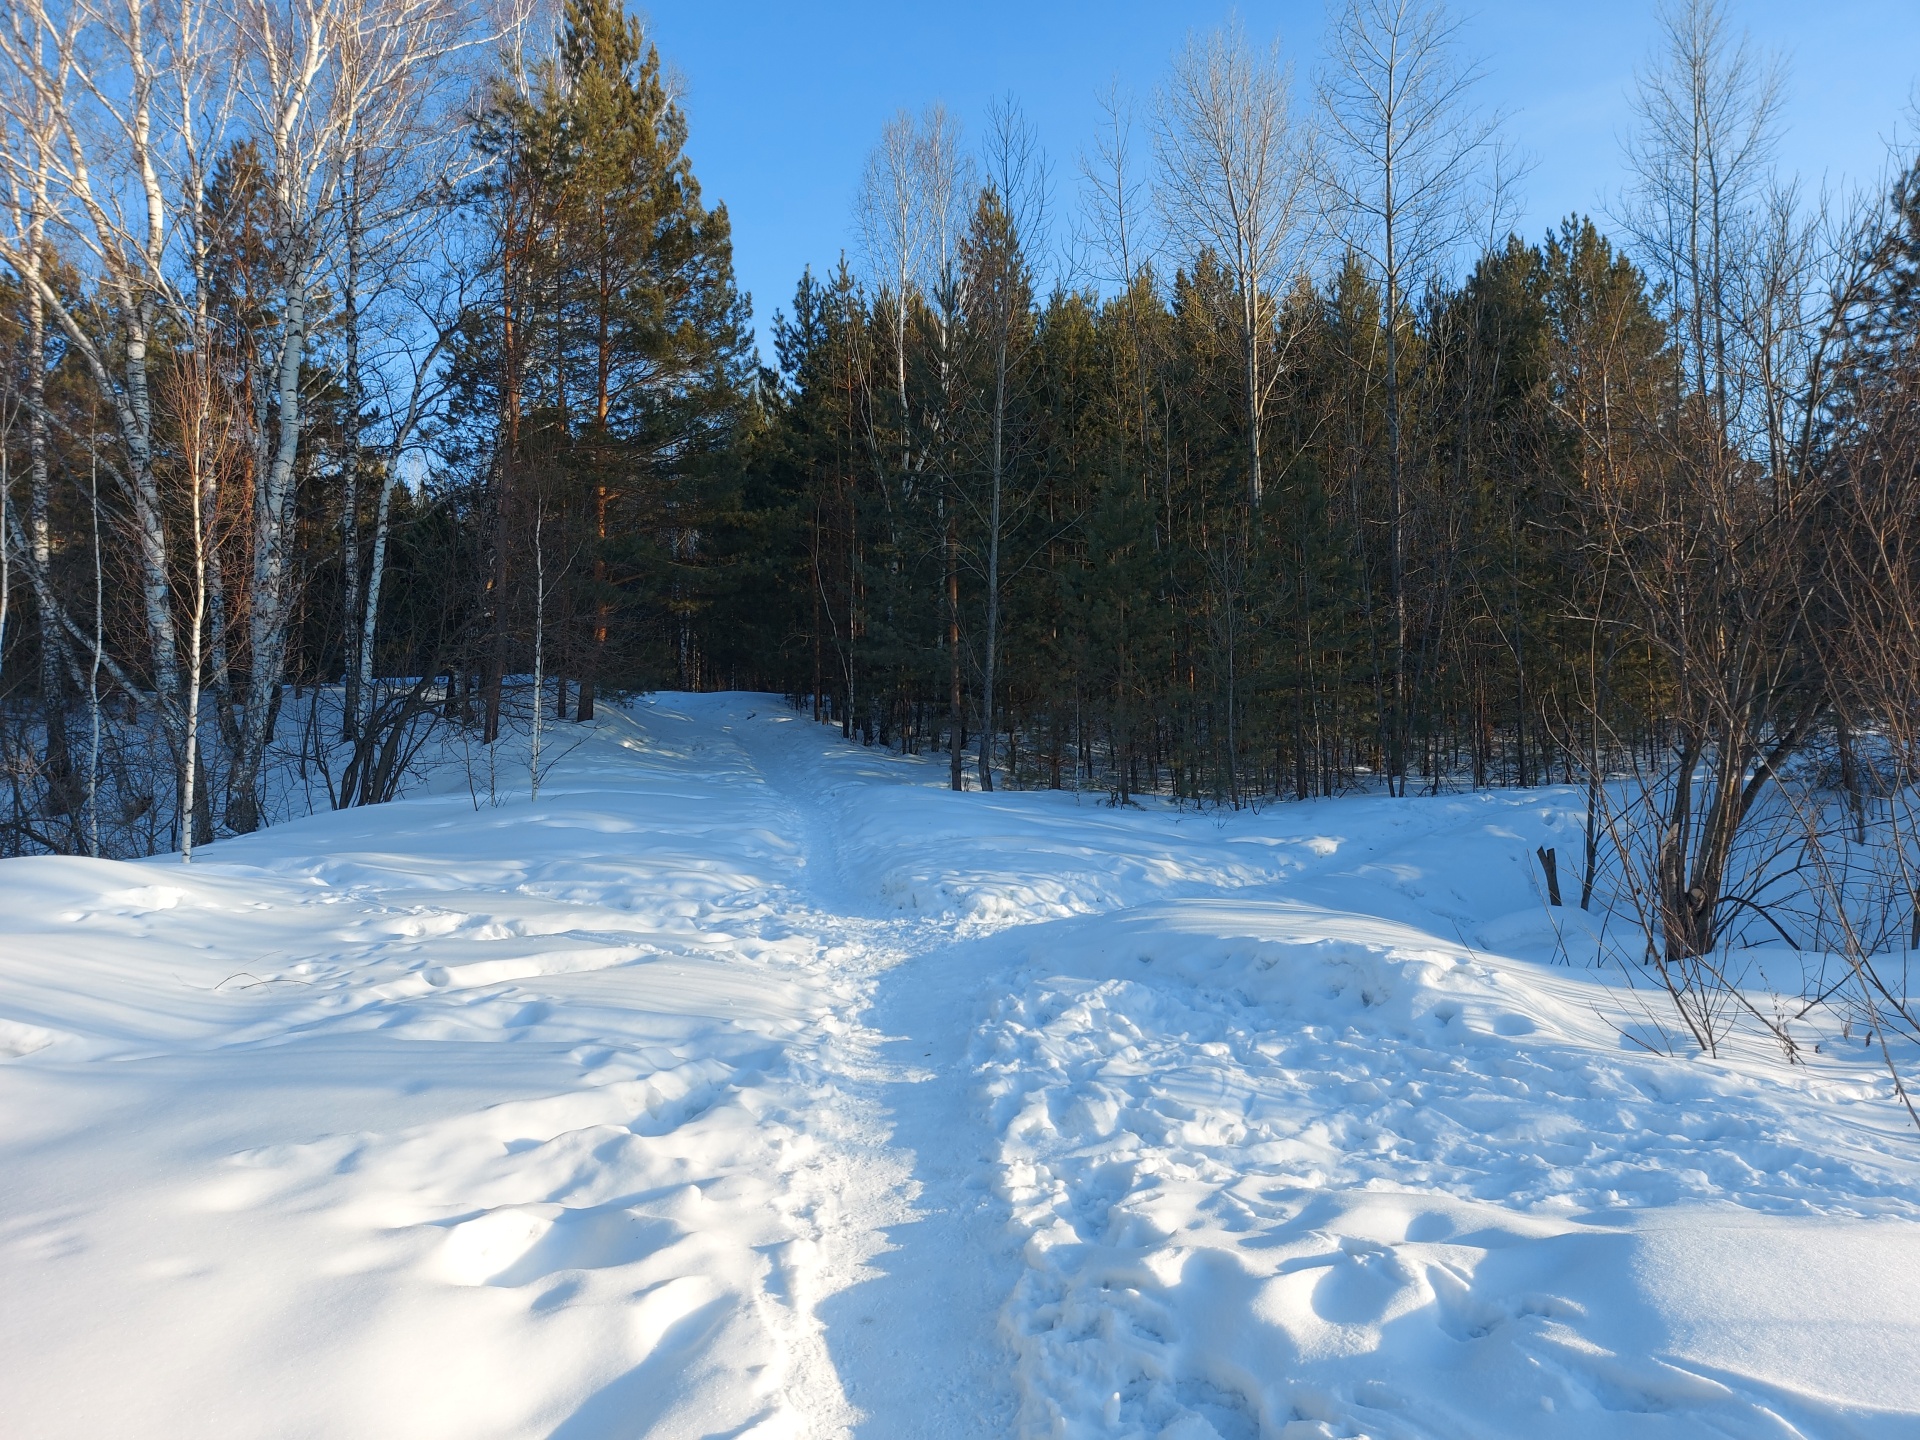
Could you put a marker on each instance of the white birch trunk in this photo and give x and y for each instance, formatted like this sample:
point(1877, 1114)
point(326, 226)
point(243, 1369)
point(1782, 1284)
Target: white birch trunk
point(190, 753)
point(370, 616)
point(267, 628)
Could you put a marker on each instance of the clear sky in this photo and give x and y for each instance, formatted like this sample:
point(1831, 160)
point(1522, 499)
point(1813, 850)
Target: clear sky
point(786, 97)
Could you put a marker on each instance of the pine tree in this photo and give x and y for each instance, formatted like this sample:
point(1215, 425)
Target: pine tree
point(623, 354)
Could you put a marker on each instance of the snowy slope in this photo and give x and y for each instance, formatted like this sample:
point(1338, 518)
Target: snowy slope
point(751, 1084)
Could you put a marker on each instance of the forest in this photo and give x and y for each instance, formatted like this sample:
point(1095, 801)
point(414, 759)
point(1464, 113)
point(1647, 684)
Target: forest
point(377, 387)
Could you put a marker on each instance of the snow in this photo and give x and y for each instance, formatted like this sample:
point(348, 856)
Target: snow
point(751, 1084)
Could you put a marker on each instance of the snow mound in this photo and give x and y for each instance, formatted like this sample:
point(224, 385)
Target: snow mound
point(1283, 1170)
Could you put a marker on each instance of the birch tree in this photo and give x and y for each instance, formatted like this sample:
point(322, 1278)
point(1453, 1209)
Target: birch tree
point(893, 221)
point(31, 119)
point(1234, 170)
point(399, 163)
point(288, 74)
point(334, 88)
point(911, 213)
point(999, 284)
point(1408, 175)
point(118, 100)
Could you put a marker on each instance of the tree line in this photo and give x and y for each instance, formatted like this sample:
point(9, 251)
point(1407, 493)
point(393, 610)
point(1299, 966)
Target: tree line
point(376, 381)
point(1311, 477)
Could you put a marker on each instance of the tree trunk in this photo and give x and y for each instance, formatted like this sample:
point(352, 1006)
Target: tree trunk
point(956, 696)
point(352, 628)
point(998, 467)
point(376, 574)
point(1396, 506)
point(271, 600)
point(53, 647)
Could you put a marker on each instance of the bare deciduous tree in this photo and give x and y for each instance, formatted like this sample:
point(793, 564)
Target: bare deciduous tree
point(1008, 220)
point(116, 103)
point(1113, 237)
point(1234, 170)
point(1713, 531)
point(893, 230)
point(910, 217)
point(1405, 165)
point(400, 165)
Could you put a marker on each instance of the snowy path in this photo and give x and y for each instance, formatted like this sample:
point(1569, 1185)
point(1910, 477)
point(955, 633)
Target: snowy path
point(752, 1085)
point(918, 1345)
point(914, 1339)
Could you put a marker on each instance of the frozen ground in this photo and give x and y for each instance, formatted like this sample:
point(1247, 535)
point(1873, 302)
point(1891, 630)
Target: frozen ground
point(751, 1085)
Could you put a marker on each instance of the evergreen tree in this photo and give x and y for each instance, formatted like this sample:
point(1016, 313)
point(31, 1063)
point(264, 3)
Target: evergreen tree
point(622, 353)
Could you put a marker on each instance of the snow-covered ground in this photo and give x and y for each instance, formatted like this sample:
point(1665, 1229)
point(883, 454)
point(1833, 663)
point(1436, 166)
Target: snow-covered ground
point(750, 1084)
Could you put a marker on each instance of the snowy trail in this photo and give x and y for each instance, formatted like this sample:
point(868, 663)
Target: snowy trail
point(917, 1343)
point(751, 1084)
point(914, 1334)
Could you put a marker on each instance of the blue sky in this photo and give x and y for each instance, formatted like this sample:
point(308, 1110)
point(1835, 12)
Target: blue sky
point(785, 99)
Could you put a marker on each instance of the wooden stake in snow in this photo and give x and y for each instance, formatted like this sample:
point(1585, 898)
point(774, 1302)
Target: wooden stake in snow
point(1550, 863)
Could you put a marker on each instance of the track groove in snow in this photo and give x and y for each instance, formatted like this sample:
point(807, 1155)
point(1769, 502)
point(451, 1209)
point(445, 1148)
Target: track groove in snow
point(752, 1085)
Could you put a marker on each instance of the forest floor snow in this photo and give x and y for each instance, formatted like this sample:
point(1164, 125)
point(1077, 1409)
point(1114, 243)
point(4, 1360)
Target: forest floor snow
point(751, 1084)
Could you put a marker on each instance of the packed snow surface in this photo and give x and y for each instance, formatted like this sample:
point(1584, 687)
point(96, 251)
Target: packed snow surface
point(751, 1084)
